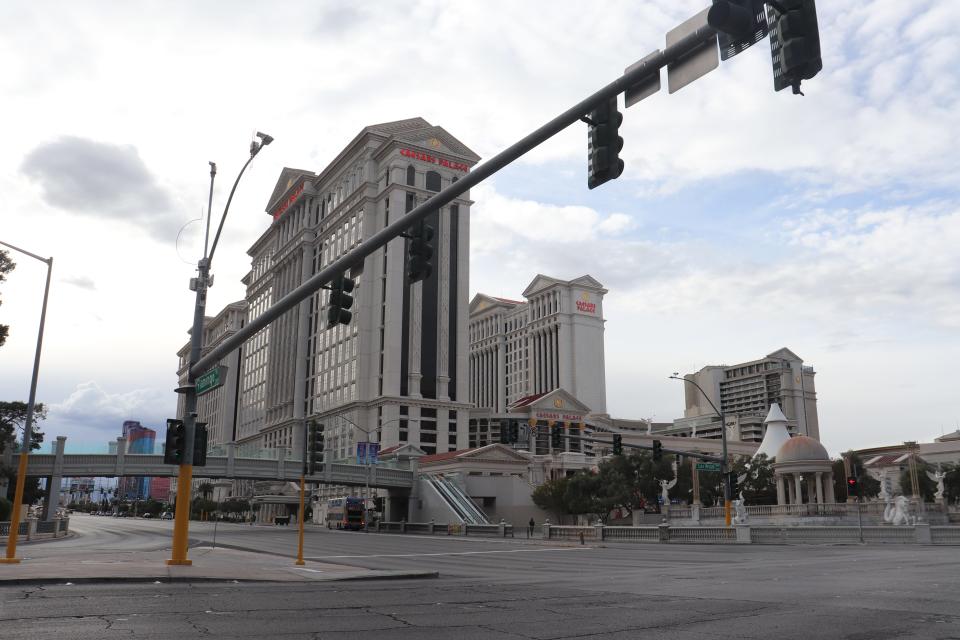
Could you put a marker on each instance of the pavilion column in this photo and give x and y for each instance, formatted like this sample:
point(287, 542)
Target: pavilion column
point(781, 494)
point(799, 488)
point(831, 498)
point(791, 489)
point(819, 487)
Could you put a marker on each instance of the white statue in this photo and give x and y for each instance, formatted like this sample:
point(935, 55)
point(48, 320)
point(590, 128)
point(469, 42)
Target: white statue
point(740, 511)
point(938, 478)
point(898, 512)
point(665, 486)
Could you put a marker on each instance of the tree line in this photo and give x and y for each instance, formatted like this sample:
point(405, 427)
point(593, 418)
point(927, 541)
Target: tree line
point(631, 483)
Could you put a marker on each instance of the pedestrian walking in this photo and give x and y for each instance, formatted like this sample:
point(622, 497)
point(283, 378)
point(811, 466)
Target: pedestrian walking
point(530, 526)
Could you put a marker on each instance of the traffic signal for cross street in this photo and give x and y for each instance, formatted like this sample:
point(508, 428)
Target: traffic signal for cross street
point(314, 448)
point(794, 43)
point(734, 484)
point(604, 144)
point(175, 443)
point(556, 437)
point(420, 252)
point(509, 432)
point(340, 301)
point(617, 444)
point(200, 444)
point(853, 486)
point(657, 450)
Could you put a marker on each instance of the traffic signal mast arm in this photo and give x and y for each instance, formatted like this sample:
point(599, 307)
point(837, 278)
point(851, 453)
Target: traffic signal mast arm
point(355, 257)
point(648, 447)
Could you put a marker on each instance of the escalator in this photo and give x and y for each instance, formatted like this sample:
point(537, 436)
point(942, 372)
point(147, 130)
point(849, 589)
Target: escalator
point(458, 501)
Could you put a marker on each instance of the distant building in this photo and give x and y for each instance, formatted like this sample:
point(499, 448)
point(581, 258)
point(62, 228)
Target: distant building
point(140, 440)
point(745, 392)
point(219, 407)
point(552, 340)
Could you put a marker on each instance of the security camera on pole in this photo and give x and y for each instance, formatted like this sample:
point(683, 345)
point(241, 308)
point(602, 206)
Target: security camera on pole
point(199, 284)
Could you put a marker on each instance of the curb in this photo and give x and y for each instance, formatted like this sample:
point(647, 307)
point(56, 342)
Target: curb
point(374, 575)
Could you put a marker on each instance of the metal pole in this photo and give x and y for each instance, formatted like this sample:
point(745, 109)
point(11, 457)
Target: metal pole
point(355, 257)
point(181, 526)
point(724, 478)
point(11, 556)
point(206, 236)
point(300, 561)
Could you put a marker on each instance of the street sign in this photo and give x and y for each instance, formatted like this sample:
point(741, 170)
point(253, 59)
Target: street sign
point(699, 62)
point(708, 466)
point(211, 380)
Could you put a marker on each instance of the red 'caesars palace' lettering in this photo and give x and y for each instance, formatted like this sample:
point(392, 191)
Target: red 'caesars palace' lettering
point(589, 307)
point(416, 155)
point(286, 203)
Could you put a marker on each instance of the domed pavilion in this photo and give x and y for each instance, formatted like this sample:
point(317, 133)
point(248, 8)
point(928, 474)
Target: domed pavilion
point(800, 459)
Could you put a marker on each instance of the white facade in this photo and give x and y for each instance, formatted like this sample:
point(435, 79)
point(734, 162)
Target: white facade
point(398, 372)
point(553, 340)
point(218, 408)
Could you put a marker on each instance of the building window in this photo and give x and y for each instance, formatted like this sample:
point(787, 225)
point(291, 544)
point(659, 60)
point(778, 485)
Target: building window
point(411, 176)
point(433, 181)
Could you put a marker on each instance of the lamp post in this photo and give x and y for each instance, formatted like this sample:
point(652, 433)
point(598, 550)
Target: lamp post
point(28, 423)
point(723, 440)
point(200, 284)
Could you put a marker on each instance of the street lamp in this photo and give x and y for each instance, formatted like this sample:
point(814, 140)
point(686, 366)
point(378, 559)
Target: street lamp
point(28, 423)
point(723, 440)
point(200, 284)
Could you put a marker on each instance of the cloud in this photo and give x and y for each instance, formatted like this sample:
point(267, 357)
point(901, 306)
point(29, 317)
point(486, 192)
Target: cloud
point(89, 409)
point(511, 235)
point(81, 281)
point(102, 181)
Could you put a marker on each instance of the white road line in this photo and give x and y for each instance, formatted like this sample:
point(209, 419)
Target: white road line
point(457, 553)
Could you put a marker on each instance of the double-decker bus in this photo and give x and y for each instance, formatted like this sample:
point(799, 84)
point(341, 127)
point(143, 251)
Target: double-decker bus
point(345, 513)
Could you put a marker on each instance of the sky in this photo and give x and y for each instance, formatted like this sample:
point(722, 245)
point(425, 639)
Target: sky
point(746, 220)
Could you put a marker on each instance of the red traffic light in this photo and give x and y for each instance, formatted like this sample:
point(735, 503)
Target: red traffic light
point(852, 482)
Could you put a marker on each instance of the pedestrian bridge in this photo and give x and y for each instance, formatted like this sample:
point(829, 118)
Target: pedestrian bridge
point(229, 466)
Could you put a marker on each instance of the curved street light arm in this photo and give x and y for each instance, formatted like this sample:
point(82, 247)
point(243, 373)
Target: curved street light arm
point(701, 391)
point(223, 218)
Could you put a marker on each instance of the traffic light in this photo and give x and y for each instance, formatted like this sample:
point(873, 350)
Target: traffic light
point(657, 450)
point(504, 433)
point(617, 444)
point(176, 442)
point(340, 301)
point(734, 484)
point(200, 444)
point(794, 43)
point(420, 252)
point(556, 437)
point(604, 144)
point(314, 447)
point(853, 486)
point(740, 24)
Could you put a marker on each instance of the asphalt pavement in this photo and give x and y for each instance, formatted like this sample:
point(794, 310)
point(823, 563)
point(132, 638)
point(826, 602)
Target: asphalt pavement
point(493, 588)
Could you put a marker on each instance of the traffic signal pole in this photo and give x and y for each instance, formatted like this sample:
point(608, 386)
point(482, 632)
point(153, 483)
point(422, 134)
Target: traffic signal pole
point(303, 474)
point(481, 172)
point(181, 524)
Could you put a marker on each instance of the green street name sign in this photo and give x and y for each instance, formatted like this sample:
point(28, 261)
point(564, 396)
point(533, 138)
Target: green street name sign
point(708, 466)
point(210, 380)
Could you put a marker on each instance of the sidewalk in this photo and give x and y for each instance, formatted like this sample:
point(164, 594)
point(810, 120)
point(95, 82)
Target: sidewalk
point(208, 565)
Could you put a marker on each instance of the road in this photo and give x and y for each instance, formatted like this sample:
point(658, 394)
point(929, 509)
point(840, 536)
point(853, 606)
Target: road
point(507, 589)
